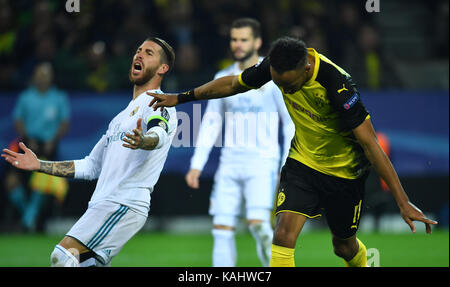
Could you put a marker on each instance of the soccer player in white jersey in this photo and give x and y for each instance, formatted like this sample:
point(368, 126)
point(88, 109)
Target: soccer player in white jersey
point(127, 162)
point(250, 159)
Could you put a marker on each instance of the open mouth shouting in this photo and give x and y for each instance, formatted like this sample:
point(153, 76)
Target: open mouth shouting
point(137, 68)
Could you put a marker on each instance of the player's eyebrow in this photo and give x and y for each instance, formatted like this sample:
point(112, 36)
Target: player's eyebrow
point(239, 38)
point(147, 50)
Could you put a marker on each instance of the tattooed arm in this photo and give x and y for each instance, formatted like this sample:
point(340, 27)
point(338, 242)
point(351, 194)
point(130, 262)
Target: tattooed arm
point(29, 161)
point(58, 168)
point(138, 140)
point(148, 141)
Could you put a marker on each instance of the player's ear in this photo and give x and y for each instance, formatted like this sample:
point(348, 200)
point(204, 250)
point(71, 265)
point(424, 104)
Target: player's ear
point(307, 67)
point(258, 43)
point(163, 69)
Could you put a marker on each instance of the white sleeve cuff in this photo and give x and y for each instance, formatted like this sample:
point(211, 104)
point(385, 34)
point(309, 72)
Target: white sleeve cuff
point(80, 168)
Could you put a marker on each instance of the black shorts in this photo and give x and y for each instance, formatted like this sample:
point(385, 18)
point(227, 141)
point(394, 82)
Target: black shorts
point(305, 191)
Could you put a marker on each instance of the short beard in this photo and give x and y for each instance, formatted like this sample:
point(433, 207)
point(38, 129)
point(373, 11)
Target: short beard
point(148, 74)
point(243, 58)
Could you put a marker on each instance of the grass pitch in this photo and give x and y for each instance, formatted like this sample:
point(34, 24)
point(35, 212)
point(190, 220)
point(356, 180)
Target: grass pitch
point(194, 250)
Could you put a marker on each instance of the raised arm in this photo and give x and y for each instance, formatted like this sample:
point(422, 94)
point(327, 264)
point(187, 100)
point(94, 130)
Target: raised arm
point(251, 78)
point(219, 88)
point(88, 168)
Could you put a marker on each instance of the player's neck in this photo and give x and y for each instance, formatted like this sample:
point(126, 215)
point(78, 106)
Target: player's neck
point(152, 84)
point(253, 60)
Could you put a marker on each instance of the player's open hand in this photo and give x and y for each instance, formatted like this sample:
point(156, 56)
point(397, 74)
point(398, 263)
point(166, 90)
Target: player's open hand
point(27, 160)
point(163, 100)
point(411, 213)
point(135, 140)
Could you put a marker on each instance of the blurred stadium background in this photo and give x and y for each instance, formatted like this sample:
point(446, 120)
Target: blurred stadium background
point(398, 58)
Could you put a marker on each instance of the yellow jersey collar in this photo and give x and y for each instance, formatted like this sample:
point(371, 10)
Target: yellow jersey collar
point(314, 53)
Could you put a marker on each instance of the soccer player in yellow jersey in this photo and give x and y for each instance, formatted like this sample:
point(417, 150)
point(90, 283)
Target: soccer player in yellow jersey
point(333, 147)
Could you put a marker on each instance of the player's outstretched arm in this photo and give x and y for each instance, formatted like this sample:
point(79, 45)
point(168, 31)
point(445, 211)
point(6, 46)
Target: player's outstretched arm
point(366, 136)
point(218, 88)
point(29, 161)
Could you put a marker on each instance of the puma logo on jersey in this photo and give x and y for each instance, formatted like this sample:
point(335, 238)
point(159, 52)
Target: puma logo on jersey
point(343, 89)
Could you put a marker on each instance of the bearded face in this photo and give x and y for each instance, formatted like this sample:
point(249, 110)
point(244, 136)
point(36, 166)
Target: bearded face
point(242, 43)
point(146, 63)
point(139, 75)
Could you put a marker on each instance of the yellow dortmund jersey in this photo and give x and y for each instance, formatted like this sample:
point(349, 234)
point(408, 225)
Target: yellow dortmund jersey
point(325, 111)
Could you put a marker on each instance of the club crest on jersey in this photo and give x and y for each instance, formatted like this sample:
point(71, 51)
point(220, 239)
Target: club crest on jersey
point(281, 197)
point(320, 101)
point(134, 111)
point(351, 102)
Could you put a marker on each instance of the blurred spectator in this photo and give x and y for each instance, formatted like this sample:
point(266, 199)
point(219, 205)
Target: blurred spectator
point(41, 118)
point(40, 41)
point(119, 62)
point(368, 65)
point(178, 15)
point(344, 32)
point(314, 21)
point(42, 30)
point(8, 39)
point(97, 78)
point(190, 54)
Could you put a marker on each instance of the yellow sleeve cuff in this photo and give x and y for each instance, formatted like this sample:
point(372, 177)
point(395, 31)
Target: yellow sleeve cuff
point(244, 84)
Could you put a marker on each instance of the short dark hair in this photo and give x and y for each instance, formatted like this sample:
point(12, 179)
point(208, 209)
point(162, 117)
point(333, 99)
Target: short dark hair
point(168, 55)
point(248, 22)
point(287, 54)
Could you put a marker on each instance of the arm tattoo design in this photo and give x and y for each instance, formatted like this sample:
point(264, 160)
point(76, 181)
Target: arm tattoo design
point(150, 141)
point(58, 168)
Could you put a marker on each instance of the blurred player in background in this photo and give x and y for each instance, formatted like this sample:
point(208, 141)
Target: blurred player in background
point(41, 119)
point(331, 152)
point(127, 162)
point(247, 172)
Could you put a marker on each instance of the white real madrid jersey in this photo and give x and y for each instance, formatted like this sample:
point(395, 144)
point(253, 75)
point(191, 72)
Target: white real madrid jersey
point(251, 122)
point(127, 176)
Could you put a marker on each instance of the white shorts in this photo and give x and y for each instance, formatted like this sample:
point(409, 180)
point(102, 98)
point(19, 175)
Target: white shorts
point(235, 189)
point(105, 227)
